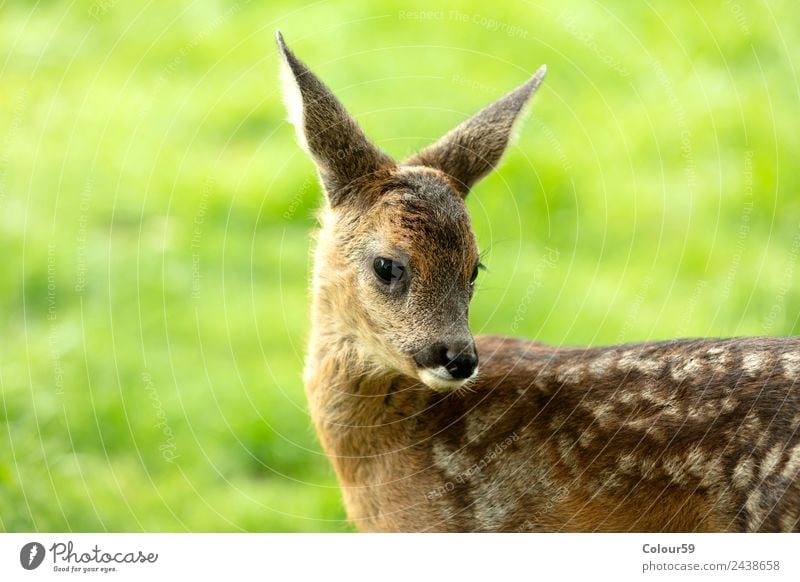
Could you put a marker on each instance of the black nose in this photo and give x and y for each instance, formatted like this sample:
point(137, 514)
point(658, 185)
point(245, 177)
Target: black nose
point(460, 363)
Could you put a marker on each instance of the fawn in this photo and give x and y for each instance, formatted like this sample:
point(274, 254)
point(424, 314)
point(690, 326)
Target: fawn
point(429, 429)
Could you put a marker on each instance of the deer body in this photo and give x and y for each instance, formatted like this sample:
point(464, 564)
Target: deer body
point(429, 429)
point(688, 435)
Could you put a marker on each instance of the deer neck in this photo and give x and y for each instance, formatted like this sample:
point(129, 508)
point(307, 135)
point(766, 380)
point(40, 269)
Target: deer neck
point(347, 383)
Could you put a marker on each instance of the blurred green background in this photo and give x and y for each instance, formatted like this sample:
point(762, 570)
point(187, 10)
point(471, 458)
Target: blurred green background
point(156, 218)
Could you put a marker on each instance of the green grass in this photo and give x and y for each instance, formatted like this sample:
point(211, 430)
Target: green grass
point(155, 216)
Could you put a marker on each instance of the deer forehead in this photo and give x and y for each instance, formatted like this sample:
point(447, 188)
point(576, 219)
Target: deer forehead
point(419, 214)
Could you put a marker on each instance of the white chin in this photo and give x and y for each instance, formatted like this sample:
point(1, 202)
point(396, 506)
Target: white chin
point(440, 380)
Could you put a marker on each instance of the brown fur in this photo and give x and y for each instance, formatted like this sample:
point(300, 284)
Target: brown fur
point(686, 435)
point(571, 439)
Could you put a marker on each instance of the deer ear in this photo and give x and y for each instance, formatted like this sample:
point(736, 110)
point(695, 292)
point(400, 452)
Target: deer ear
point(471, 150)
point(341, 151)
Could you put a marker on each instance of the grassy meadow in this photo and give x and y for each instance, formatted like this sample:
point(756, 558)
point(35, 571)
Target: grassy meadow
point(156, 218)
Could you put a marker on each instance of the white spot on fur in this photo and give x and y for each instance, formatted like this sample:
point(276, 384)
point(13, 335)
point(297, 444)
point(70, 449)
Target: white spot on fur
point(293, 100)
point(753, 362)
point(602, 365)
point(644, 467)
point(626, 464)
point(639, 423)
point(712, 473)
point(686, 368)
point(603, 413)
point(570, 374)
point(632, 360)
point(705, 410)
point(648, 425)
point(729, 403)
point(719, 359)
point(792, 466)
point(753, 506)
point(450, 462)
point(674, 467)
point(495, 495)
point(762, 440)
point(770, 461)
point(586, 438)
point(696, 462)
point(791, 365)
point(647, 467)
point(625, 396)
point(441, 457)
point(651, 392)
point(743, 473)
point(544, 381)
point(655, 432)
point(492, 506)
point(565, 451)
point(610, 482)
point(751, 426)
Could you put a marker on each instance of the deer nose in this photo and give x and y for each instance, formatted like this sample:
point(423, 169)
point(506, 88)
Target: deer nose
point(460, 363)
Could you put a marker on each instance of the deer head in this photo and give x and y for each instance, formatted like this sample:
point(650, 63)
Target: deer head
point(396, 260)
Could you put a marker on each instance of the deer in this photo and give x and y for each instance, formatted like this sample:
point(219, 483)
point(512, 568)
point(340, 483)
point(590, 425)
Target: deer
point(430, 429)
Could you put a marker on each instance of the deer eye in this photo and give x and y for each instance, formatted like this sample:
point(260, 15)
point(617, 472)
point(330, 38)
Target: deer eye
point(387, 270)
point(475, 274)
